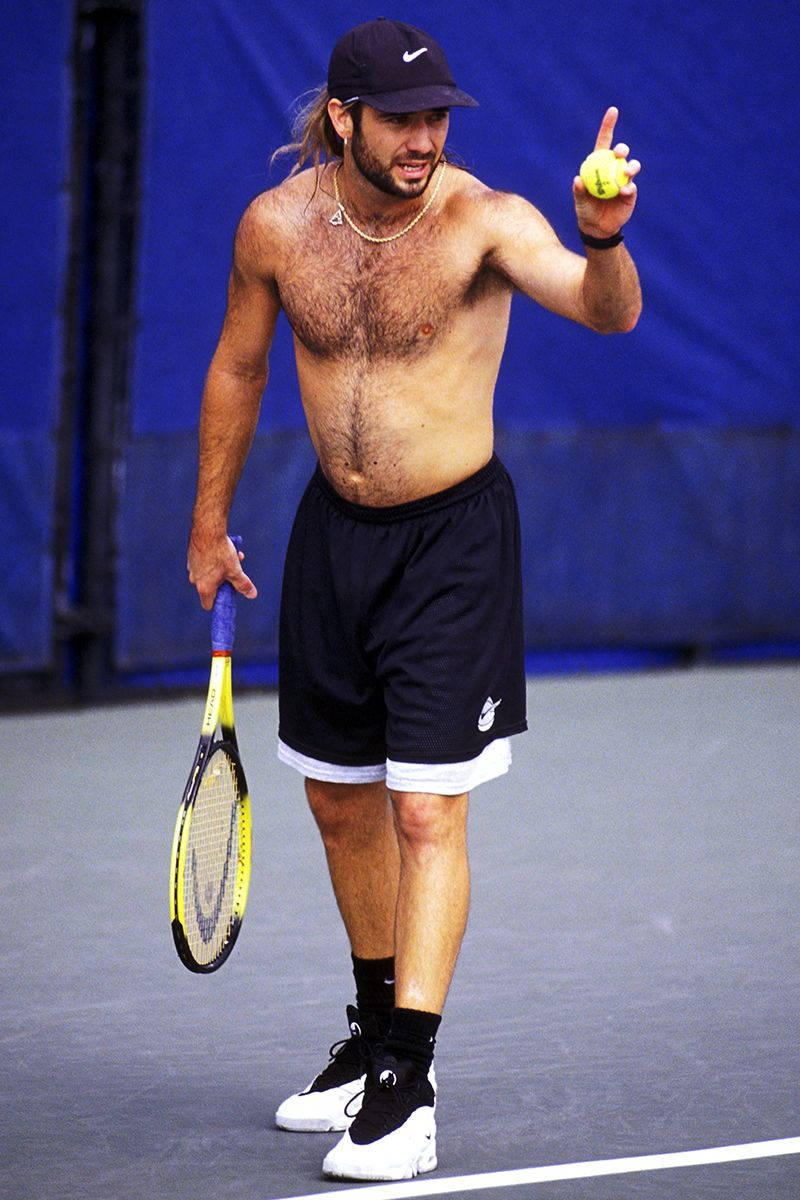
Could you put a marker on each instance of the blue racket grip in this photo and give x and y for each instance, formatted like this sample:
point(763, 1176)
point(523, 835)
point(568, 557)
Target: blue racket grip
point(223, 615)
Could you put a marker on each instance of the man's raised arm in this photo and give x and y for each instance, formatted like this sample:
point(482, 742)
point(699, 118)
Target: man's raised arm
point(600, 290)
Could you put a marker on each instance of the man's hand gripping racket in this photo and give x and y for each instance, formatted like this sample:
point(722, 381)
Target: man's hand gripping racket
point(211, 846)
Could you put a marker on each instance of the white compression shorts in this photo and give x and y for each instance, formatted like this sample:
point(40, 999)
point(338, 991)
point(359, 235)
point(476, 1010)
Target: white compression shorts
point(439, 779)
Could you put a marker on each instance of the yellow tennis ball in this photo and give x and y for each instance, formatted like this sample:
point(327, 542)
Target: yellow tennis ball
point(604, 174)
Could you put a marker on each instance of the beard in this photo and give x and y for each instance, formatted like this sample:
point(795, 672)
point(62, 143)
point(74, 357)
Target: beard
point(380, 176)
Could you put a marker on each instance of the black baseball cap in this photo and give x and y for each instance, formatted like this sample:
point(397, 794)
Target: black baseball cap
point(393, 67)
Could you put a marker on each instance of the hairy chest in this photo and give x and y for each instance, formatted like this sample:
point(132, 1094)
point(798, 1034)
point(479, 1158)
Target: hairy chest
point(345, 297)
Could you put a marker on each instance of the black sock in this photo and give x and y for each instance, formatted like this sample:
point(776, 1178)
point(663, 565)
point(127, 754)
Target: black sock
point(412, 1036)
point(375, 989)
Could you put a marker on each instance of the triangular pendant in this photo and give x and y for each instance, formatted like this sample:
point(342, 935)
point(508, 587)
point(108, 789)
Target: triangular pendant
point(336, 219)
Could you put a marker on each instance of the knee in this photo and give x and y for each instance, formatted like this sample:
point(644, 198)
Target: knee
point(342, 810)
point(326, 806)
point(425, 821)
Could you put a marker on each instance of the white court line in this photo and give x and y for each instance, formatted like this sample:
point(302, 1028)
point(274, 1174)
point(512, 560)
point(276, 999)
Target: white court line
point(583, 1170)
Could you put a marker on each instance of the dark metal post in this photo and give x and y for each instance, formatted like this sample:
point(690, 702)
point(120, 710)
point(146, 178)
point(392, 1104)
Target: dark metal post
point(100, 323)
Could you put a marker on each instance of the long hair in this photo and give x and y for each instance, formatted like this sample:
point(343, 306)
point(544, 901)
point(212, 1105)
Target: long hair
point(314, 138)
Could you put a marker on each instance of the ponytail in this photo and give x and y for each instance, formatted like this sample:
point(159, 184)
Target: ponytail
point(314, 138)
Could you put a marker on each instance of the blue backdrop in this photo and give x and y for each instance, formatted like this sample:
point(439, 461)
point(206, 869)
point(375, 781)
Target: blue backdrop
point(34, 129)
point(658, 473)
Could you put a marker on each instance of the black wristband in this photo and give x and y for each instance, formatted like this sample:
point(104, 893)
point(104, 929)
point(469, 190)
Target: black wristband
point(601, 243)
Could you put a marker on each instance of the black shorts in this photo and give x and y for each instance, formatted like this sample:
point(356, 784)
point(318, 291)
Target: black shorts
point(401, 628)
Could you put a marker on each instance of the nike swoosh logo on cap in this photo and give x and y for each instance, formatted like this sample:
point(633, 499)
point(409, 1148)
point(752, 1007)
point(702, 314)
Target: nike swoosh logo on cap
point(410, 57)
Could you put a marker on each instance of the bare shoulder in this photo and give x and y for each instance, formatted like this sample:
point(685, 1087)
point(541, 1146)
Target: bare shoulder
point(496, 215)
point(271, 220)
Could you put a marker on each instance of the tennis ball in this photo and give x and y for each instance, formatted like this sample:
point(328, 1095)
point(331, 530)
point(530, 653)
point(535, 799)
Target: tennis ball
point(604, 174)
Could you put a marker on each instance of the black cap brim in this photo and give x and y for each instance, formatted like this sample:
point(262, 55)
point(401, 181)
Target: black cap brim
point(420, 99)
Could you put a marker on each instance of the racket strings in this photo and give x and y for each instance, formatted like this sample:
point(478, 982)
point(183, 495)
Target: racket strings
point(212, 856)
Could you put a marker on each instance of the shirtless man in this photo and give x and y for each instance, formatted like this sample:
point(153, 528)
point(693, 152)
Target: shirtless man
point(401, 668)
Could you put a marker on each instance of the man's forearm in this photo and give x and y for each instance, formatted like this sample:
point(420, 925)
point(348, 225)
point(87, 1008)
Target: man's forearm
point(612, 296)
point(228, 419)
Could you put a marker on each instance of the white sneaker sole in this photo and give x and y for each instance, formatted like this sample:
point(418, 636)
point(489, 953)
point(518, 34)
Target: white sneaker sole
point(402, 1154)
point(321, 1112)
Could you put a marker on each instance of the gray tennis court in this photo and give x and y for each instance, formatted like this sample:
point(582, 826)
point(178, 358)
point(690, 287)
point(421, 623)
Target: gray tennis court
point(628, 986)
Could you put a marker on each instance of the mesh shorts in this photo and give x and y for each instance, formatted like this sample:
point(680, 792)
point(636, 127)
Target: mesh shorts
point(401, 629)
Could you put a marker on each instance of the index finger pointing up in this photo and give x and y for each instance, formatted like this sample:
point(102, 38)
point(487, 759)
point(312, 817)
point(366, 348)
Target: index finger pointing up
point(606, 133)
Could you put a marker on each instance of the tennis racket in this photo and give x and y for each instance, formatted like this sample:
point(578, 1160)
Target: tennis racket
point(211, 846)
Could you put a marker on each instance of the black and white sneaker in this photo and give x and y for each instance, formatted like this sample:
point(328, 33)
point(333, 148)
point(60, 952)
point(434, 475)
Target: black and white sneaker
point(321, 1107)
point(394, 1133)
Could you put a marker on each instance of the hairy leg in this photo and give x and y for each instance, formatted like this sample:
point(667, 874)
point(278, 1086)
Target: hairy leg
point(358, 833)
point(433, 895)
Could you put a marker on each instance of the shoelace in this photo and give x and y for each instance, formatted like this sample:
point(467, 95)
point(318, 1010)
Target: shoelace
point(388, 1106)
point(352, 1100)
point(347, 1050)
point(337, 1047)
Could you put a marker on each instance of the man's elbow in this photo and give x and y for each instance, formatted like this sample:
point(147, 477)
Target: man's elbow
point(633, 316)
point(631, 322)
point(240, 369)
point(622, 322)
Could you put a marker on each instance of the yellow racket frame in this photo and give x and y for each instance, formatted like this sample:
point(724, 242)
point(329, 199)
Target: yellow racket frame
point(218, 713)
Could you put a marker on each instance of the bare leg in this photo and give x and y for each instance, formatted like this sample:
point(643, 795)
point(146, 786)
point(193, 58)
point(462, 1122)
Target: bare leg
point(433, 897)
point(358, 833)
point(431, 900)
point(401, 879)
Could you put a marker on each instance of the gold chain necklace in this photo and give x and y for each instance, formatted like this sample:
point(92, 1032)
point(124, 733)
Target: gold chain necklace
point(341, 211)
